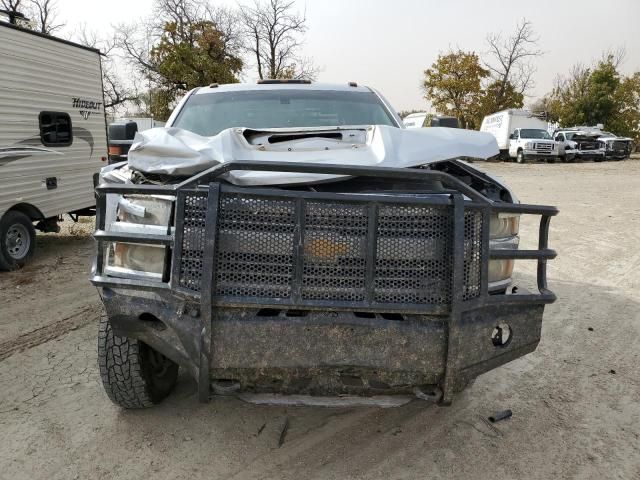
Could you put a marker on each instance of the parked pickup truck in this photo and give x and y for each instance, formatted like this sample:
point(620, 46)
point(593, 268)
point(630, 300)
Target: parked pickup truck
point(532, 144)
point(615, 147)
point(580, 145)
point(291, 238)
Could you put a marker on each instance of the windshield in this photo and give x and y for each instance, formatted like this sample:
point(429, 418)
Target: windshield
point(209, 114)
point(534, 133)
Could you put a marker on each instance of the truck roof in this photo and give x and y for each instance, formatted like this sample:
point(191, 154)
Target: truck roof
point(240, 87)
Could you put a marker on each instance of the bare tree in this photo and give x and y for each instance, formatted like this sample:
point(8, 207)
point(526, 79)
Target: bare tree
point(510, 59)
point(116, 92)
point(12, 9)
point(274, 36)
point(44, 12)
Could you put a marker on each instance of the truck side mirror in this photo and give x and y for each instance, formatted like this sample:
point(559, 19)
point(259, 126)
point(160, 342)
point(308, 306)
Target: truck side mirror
point(122, 131)
point(512, 137)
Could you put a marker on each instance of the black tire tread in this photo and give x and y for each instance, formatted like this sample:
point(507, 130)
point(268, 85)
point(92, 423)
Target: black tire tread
point(12, 216)
point(119, 361)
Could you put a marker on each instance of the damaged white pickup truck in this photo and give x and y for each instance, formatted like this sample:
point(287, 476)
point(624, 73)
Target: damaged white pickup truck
point(292, 239)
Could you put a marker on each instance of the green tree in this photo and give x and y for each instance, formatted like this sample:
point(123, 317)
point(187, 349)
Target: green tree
point(453, 86)
point(598, 94)
point(187, 57)
point(588, 97)
point(495, 97)
point(627, 97)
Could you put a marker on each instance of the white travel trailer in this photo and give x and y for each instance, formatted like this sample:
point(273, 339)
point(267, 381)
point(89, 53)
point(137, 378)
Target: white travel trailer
point(415, 120)
point(52, 136)
point(503, 124)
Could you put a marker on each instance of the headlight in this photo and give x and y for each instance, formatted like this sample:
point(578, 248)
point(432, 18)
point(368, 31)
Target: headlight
point(503, 233)
point(148, 214)
point(503, 225)
point(135, 260)
point(528, 145)
point(500, 270)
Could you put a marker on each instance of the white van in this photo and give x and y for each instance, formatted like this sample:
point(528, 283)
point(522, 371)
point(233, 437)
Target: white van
point(52, 136)
point(504, 125)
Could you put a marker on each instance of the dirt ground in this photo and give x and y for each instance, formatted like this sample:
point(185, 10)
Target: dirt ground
point(575, 401)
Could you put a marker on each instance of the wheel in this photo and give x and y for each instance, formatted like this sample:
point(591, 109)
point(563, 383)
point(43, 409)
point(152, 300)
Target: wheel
point(133, 374)
point(563, 158)
point(17, 240)
point(520, 157)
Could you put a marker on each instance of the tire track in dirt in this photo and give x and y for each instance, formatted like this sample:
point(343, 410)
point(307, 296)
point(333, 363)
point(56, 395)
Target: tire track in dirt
point(49, 332)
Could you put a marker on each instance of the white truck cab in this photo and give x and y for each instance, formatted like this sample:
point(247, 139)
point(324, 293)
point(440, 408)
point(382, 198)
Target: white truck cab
point(532, 144)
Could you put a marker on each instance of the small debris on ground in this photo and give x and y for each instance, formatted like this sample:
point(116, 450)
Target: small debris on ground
point(283, 432)
point(502, 415)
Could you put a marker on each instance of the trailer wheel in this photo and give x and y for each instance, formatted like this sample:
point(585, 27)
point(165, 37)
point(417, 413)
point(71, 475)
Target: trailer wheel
point(17, 240)
point(133, 374)
point(520, 157)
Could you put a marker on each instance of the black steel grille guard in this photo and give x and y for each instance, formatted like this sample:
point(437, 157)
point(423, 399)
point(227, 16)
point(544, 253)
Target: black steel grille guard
point(457, 285)
point(207, 200)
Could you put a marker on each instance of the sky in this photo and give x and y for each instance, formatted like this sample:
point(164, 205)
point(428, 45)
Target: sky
point(387, 44)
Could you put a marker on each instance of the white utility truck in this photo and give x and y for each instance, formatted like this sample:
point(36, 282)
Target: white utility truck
point(520, 135)
point(52, 136)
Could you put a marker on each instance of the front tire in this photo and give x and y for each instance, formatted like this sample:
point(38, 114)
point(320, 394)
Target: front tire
point(133, 374)
point(520, 157)
point(17, 240)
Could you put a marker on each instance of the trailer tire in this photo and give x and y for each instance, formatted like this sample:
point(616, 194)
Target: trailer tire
point(133, 374)
point(17, 240)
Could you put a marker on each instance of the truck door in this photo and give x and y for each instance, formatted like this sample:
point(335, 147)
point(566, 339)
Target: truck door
point(513, 143)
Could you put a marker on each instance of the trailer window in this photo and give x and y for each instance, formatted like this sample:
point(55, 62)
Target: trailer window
point(55, 129)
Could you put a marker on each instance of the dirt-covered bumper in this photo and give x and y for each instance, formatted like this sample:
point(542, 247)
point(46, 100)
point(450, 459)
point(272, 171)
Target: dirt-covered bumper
point(324, 352)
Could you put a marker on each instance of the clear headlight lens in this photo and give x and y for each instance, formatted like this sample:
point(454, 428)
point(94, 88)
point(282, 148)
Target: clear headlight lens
point(500, 270)
point(503, 233)
point(135, 260)
point(504, 225)
point(148, 214)
point(528, 145)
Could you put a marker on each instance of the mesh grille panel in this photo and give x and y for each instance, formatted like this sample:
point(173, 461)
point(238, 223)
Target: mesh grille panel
point(259, 239)
point(413, 260)
point(195, 209)
point(255, 247)
point(472, 253)
point(334, 252)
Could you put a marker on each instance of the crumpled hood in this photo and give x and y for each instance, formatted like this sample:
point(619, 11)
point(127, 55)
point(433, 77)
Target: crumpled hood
point(173, 151)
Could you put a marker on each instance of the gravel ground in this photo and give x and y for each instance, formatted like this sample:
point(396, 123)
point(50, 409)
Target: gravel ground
point(575, 400)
